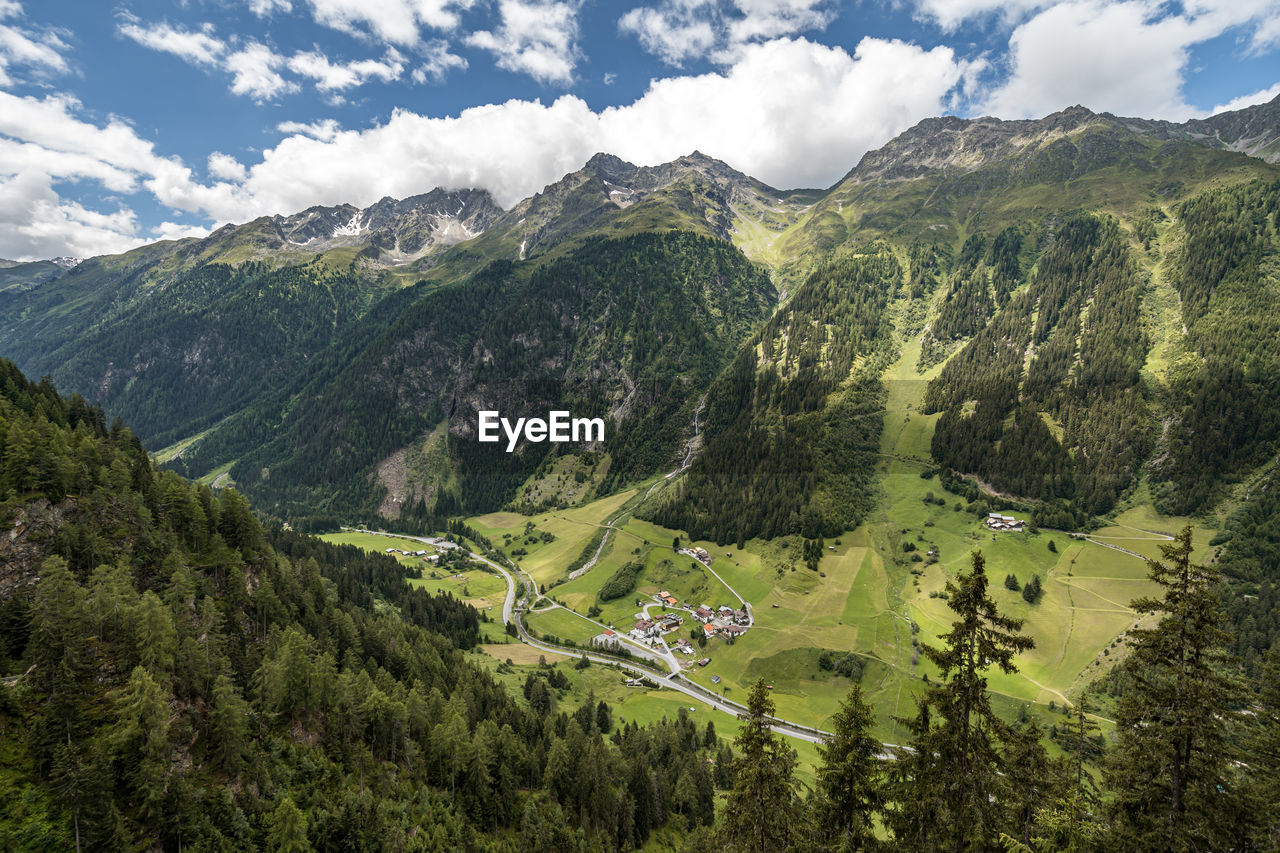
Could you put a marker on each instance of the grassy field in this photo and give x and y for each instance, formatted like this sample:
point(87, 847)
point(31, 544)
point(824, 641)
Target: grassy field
point(869, 596)
point(379, 544)
point(630, 704)
point(572, 529)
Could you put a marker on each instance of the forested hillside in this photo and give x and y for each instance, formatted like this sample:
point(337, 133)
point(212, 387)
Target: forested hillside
point(181, 678)
point(184, 679)
point(1045, 402)
point(794, 424)
point(632, 330)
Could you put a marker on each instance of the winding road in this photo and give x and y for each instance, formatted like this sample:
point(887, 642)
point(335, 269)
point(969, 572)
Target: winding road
point(513, 609)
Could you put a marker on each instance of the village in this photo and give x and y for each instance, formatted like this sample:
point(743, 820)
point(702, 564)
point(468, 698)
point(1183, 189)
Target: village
point(996, 521)
point(723, 621)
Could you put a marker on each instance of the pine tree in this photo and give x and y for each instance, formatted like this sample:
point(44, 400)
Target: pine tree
point(1263, 749)
point(966, 738)
point(287, 829)
point(848, 791)
point(762, 813)
point(1168, 772)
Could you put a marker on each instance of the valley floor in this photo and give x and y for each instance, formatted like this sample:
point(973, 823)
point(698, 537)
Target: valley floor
point(870, 596)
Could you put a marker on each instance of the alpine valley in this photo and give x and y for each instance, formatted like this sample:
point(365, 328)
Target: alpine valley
point(1047, 352)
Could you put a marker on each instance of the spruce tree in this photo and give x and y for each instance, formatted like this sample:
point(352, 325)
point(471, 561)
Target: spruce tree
point(849, 790)
point(1263, 756)
point(972, 789)
point(762, 813)
point(1168, 772)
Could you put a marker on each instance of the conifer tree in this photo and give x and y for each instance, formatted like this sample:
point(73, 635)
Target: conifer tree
point(963, 787)
point(1263, 750)
point(1168, 771)
point(848, 791)
point(287, 830)
point(762, 813)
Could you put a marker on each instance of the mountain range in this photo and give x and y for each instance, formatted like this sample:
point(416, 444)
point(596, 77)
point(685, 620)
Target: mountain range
point(334, 360)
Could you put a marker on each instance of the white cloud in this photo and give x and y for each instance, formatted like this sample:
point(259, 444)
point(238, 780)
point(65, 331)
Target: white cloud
point(790, 112)
point(259, 72)
point(264, 8)
point(198, 47)
point(331, 76)
point(437, 61)
point(324, 130)
point(772, 18)
point(397, 22)
point(674, 32)
point(40, 52)
point(1127, 58)
point(535, 37)
point(226, 167)
point(949, 14)
point(254, 70)
point(1262, 96)
point(178, 231)
point(679, 30)
point(36, 223)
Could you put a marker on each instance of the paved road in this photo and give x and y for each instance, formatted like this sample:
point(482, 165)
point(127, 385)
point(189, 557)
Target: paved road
point(513, 609)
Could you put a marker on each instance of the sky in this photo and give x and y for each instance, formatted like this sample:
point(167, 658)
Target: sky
point(126, 122)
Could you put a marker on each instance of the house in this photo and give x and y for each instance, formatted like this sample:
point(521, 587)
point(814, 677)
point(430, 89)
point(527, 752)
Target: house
point(709, 630)
point(433, 559)
point(703, 613)
point(419, 553)
point(644, 629)
point(996, 521)
point(671, 622)
point(715, 679)
point(670, 601)
point(704, 661)
point(726, 612)
point(733, 630)
point(740, 616)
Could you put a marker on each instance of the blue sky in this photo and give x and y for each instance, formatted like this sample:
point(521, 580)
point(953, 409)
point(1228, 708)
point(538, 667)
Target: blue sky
point(126, 122)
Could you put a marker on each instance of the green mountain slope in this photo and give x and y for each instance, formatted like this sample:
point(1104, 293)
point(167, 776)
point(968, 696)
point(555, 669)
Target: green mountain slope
point(177, 677)
point(632, 330)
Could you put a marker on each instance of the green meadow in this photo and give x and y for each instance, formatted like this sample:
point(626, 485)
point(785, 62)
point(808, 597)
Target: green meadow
point(869, 596)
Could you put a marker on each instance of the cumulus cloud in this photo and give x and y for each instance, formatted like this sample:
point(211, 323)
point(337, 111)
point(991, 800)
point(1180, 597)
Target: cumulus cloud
point(949, 14)
point(177, 231)
point(680, 30)
point(255, 72)
point(437, 62)
point(791, 112)
point(259, 72)
point(397, 22)
point(676, 31)
point(40, 52)
point(199, 47)
point(330, 76)
point(534, 37)
point(36, 223)
point(1127, 58)
point(324, 130)
point(226, 167)
point(45, 143)
point(1261, 96)
point(264, 8)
